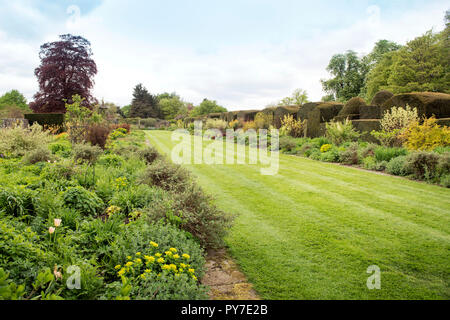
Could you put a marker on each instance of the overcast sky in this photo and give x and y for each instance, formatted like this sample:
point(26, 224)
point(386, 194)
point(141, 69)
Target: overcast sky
point(243, 53)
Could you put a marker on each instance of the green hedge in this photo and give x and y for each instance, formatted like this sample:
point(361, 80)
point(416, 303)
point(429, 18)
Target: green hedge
point(45, 119)
point(427, 103)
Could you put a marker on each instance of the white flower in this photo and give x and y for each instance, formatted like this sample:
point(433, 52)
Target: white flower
point(51, 230)
point(57, 222)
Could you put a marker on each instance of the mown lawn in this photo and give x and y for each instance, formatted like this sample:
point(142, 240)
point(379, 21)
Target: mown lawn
point(312, 231)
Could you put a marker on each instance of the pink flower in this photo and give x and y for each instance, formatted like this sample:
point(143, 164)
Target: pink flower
point(57, 222)
point(51, 230)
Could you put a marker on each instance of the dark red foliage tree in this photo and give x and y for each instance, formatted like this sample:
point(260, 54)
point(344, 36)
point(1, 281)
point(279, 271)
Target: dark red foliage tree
point(66, 69)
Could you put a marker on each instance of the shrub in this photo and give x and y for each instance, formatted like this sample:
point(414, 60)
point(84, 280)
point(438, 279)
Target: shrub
point(111, 160)
point(145, 242)
point(216, 124)
point(392, 124)
point(86, 153)
point(445, 181)
point(149, 154)
point(61, 170)
point(263, 120)
point(41, 154)
point(193, 211)
point(63, 148)
point(427, 136)
point(148, 123)
point(325, 148)
point(16, 201)
point(340, 132)
point(118, 133)
point(369, 163)
point(125, 126)
point(386, 154)
point(397, 166)
point(287, 143)
point(332, 155)
point(249, 125)
point(349, 155)
point(138, 197)
point(18, 141)
point(97, 135)
point(82, 200)
point(422, 164)
point(292, 127)
point(166, 175)
point(398, 118)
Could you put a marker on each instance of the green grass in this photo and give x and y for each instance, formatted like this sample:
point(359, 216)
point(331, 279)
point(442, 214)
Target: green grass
point(312, 231)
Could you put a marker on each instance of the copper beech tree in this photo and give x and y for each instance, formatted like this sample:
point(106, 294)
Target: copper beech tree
point(66, 69)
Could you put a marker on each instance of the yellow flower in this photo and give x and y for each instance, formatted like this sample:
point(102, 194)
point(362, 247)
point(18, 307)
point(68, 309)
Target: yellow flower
point(147, 271)
point(129, 264)
point(186, 256)
point(168, 253)
point(129, 257)
point(191, 270)
point(160, 260)
point(117, 267)
point(176, 256)
point(121, 272)
point(138, 253)
point(173, 250)
point(166, 267)
point(154, 244)
point(194, 277)
point(183, 265)
point(143, 276)
point(173, 267)
point(158, 254)
point(138, 260)
point(149, 259)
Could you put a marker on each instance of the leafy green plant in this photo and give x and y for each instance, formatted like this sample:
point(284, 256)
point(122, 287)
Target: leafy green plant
point(340, 132)
point(386, 153)
point(18, 141)
point(82, 200)
point(397, 166)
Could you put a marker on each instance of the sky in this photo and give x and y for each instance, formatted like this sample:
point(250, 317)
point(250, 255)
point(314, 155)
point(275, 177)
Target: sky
point(245, 54)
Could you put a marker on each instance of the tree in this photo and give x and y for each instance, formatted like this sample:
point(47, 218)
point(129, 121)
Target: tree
point(171, 105)
point(14, 98)
point(349, 75)
point(144, 104)
point(421, 65)
point(206, 107)
point(298, 97)
point(66, 69)
point(125, 111)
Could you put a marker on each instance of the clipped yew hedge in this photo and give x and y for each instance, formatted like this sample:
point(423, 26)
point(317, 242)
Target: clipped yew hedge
point(428, 104)
point(45, 119)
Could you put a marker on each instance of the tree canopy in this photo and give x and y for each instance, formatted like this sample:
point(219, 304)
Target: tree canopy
point(13, 98)
point(206, 107)
point(171, 105)
point(144, 104)
point(348, 73)
point(298, 97)
point(421, 65)
point(66, 69)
